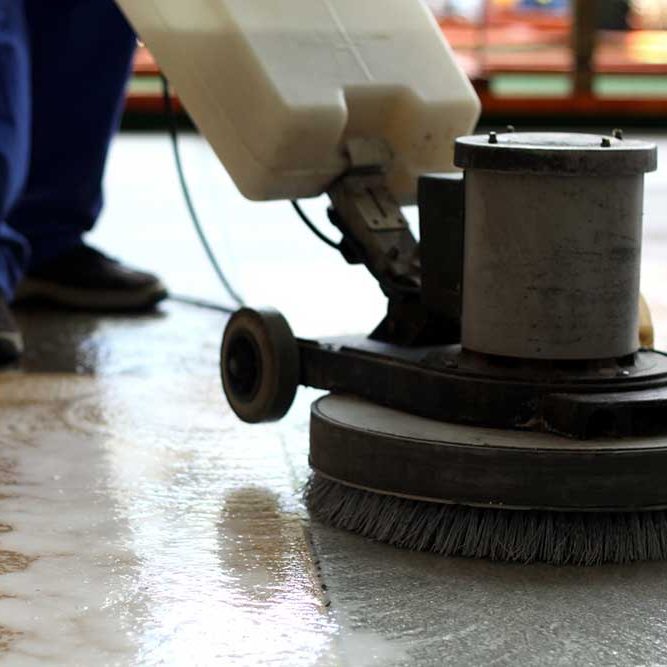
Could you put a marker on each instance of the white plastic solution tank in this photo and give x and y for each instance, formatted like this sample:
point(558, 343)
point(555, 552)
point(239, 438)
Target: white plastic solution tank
point(278, 86)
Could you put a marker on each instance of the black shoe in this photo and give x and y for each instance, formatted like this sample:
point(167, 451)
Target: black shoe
point(86, 279)
point(11, 341)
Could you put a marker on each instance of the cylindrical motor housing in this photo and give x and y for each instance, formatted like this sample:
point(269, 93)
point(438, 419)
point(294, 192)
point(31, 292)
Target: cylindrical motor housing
point(553, 237)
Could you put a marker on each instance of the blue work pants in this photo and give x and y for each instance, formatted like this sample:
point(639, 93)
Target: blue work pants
point(64, 65)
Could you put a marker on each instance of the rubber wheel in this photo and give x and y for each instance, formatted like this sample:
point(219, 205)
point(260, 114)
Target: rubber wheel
point(259, 365)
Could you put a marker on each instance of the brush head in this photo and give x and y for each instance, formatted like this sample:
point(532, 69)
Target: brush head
point(521, 536)
point(460, 490)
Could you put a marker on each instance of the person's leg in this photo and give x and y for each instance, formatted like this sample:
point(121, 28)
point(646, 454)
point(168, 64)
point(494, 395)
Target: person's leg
point(81, 58)
point(14, 138)
point(14, 151)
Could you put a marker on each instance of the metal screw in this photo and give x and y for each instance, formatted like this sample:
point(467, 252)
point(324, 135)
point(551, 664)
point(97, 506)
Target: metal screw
point(618, 134)
point(493, 138)
point(606, 142)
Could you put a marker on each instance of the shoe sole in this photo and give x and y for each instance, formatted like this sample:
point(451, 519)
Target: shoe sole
point(32, 290)
point(11, 346)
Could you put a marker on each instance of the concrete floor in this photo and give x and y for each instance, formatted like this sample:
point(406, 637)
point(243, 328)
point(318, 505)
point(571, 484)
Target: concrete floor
point(141, 524)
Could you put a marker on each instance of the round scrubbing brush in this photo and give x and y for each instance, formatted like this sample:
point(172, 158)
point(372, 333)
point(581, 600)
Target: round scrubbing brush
point(459, 491)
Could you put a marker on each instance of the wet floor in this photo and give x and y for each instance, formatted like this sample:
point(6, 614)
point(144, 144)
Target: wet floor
point(141, 524)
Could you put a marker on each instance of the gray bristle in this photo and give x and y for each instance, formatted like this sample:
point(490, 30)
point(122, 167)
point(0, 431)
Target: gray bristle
point(524, 536)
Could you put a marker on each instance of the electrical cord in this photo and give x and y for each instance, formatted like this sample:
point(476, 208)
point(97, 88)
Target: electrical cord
point(201, 303)
point(308, 222)
point(173, 133)
point(187, 196)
